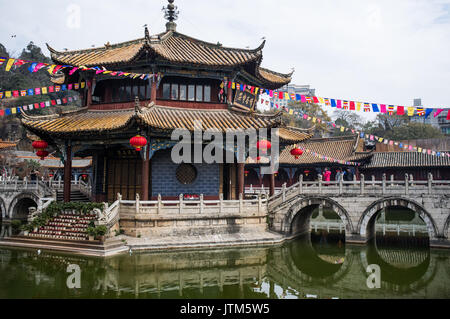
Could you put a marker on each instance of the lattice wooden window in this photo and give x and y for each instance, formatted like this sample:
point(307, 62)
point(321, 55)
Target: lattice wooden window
point(186, 174)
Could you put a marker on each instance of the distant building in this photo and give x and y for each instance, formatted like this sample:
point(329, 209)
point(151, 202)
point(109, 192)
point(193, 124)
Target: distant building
point(265, 100)
point(440, 122)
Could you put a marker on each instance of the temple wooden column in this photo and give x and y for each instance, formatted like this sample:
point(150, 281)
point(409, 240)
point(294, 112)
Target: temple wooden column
point(153, 92)
point(240, 175)
point(145, 174)
point(229, 95)
point(90, 84)
point(271, 184)
point(67, 173)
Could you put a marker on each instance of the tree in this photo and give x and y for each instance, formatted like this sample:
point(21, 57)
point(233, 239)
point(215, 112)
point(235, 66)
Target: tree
point(347, 119)
point(414, 130)
point(400, 128)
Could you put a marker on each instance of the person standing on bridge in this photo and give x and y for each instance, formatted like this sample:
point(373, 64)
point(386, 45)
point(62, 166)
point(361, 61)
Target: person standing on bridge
point(338, 174)
point(327, 175)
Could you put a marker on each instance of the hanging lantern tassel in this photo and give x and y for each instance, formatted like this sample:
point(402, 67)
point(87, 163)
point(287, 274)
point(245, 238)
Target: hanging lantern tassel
point(297, 152)
point(138, 142)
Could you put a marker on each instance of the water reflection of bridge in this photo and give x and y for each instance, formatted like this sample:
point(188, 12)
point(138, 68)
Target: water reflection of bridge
point(297, 267)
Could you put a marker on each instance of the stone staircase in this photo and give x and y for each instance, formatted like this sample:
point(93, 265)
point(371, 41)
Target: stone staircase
point(75, 196)
point(67, 226)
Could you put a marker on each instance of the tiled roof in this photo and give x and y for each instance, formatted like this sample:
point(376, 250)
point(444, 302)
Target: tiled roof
point(406, 159)
point(274, 77)
point(294, 135)
point(157, 117)
point(51, 161)
point(170, 118)
point(172, 46)
point(342, 148)
point(176, 48)
point(80, 121)
point(7, 145)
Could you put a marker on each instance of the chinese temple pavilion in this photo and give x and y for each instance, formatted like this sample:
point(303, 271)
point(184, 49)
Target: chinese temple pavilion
point(186, 86)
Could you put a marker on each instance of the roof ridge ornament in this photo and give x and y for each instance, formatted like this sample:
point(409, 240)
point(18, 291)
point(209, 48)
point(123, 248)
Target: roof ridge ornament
point(171, 14)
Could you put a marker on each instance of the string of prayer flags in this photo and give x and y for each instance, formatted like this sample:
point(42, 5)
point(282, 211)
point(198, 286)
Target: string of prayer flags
point(53, 69)
point(370, 137)
point(41, 90)
point(37, 105)
point(348, 104)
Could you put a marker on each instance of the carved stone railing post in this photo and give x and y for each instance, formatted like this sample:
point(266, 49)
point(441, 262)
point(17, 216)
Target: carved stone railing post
point(411, 178)
point(59, 182)
point(220, 203)
point(25, 182)
point(320, 184)
point(284, 192)
point(362, 181)
point(430, 183)
point(202, 204)
point(373, 180)
point(300, 186)
point(383, 185)
point(180, 208)
point(392, 180)
point(119, 197)
point(406, 184)
point(341, 184)
point(259, 203)
point(159, 204)
point(138, 203)
point(241, 203)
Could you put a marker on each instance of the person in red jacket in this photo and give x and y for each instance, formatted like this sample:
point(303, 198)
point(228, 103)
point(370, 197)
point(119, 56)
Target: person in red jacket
point(327, 175)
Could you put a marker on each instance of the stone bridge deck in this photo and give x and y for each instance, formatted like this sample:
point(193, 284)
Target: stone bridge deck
point(358, 204)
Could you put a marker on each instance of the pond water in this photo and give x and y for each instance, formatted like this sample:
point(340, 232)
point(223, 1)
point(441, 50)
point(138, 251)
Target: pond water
point(323, 267)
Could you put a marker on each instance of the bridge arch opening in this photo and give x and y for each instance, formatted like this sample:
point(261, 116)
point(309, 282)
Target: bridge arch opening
point(397, 221)
point(322, 218)
point(20, 205)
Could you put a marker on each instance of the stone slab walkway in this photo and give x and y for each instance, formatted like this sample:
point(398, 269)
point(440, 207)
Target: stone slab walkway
point(204, 241)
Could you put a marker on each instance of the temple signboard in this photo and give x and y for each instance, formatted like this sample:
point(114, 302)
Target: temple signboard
point(245, 99)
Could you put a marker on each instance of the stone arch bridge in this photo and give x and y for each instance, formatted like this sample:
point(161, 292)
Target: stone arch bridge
point(17, 196)
point(358, 204)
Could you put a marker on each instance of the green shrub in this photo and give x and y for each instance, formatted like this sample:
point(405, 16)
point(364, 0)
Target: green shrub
point(101, 230)
point(91, 231)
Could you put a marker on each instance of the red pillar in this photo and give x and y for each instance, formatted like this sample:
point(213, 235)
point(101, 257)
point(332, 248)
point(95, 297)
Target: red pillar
point(229, 95)
point(240, 168)
point(67, 173)
point(90, 84)
point(153, 92)
point(272, 185)
point(145, 175)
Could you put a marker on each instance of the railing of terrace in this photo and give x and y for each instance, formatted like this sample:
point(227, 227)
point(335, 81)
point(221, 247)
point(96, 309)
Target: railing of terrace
point(407, 186)
point(199, 206)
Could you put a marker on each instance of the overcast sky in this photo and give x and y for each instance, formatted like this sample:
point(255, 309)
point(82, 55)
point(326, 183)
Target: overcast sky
point(375, 51)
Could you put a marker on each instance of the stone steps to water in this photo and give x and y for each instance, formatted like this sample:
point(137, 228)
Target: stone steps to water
point(67, 226)
point(75, 196)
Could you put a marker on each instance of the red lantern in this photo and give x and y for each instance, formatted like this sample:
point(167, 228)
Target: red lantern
point(42, 154)
point(246, 173)
point(138, 142)
point(263, 146)
point(84, 176)
point(297, 152)
point(39, 145)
